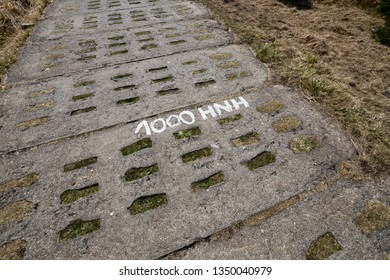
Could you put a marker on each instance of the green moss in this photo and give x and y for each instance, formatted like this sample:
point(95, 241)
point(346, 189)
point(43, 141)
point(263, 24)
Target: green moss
point(137, 146)
point(286, 124)
point(187, 133)
point(208, 182)
point(84, 83)
point(146, 203)
point(78, 228)
point(82, 111)
point(163, 80)
point(322, 248)
point(303, 144)
point(205, 83)
point(16, 211)
point(375, 217)
point(125, 87)
point(196, 155)
point(228, 120)
point(136, 173)
point(272, 106)
point(128, 101)
point(79, 164)
point(82, 96)
point(22, 182)
point(167, 91)
point(246, 139)
point(238, 75)
point(70, 196)
point(262, 159)
point(33, 123)
point(229, 65)
point(119, 52)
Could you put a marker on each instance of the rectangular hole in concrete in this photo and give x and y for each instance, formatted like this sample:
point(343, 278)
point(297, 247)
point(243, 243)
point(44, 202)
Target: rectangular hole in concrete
point(86, 58)
point(89, 50)
point(221, 56)
point(145, 40)
point(40, 106)
point(79, 164)
point(22, 182)
point(141, 33)
point(116, 38)
point(177, 42)
point(84, 83)
point(149, 46)
point(190, 62)
point(146, 203)
point(88, 44)
point(118, 52)
point(137, 146)
point(196, 155)
point(70, 196)
point(158, 69)
point(206, 183)
point(249, 138)
point(136, 173)
point(82, 96)
point(121, 76)
point(228, 120)
point(238, 75)
point(205, 83)
point(42, 92)
point(168, 91)
point(128, 101)
point(199, 71)
point(33, 123)
point(229, 65)
point(78, 228)
point(82, 111)
point(163, 79)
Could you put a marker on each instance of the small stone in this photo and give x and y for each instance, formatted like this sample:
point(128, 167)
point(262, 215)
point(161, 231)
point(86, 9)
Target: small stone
point(387, 93)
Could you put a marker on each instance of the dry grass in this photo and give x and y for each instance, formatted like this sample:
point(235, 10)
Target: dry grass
point(15, 16)
point(329, 52)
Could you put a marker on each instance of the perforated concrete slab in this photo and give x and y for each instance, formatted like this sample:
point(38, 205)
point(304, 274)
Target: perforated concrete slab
point(68, 105)
point(60, 27)
point(73, 7)
point(336, 212)
point(50, 59)
point(200, 168)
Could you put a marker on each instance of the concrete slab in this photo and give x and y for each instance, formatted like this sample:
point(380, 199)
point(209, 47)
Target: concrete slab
point(39, 112)
point(241, 165)
point(290, 234)
point(73, 7)
point(64, 26)
point(79, 53)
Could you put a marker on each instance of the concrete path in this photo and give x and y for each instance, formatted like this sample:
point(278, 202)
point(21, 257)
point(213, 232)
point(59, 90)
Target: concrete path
point(140, 129)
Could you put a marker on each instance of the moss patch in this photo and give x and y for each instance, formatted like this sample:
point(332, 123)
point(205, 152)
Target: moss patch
point(286, 124)
point(78, 228)
point(114, 45)
point(272, 106)
point(84, 58)
point(141, 33)
point(204, 37)
point(376, 216)
point(146, 203)
point(79, 164)
point(82, 111)
point(42, 92)
point(128, 101)
point(303, 144)
point(33, 123)
point(262, 159)
point(125, 87)
point(238, 75)
point(22, 182)
point(137, 146)
point(13, 250)
point(121, 76)
point(196, 155)
point(136, 173)
point(322, 248)
point(229, 119)
point(82, 96)
point(187, 133)
point(70, 196)
point(167, 91)
point(16, 211)
point(119, 52)
point(208, 182)
point(246, 139)
point(205, 83)
point(40, 106)
point(149, 46)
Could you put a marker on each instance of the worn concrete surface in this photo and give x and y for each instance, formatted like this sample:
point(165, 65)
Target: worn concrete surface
point(125, 101)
